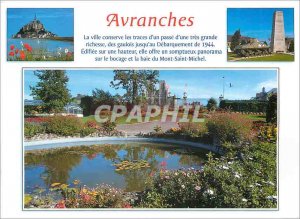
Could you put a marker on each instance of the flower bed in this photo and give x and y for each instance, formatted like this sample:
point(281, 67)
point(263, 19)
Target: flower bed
point(244, 179)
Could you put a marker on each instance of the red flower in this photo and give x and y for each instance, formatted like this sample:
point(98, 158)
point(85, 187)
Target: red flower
point(37, 119)
point(11, 53)
point(69, 54)
point(163, 163)
point(60, 204)
point(12, 47)
point(22, 55)
point(127, 205)
point(26, 45)
point(86, 197)
point(16, 51)
point(29, 48)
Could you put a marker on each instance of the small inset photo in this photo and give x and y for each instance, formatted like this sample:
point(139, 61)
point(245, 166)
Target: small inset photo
point(40, 34)
point(260, 34)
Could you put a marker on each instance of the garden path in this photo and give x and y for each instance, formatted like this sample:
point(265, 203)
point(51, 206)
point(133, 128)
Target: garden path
point(145, 127)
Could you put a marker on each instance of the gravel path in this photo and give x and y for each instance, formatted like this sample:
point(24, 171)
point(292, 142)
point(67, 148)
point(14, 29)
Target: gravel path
point(145, 127)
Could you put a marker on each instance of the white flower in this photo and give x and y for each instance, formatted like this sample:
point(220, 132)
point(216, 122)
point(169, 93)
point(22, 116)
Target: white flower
point(197, 188)
point(270, 183)
point(225, 167)
point(66, 50)
point(244, 200)
point(251, 186)
point(237, 176)
point(257, 184)
point(210, 192)
point(183, 186)
point(176, 174)
point(230, 162)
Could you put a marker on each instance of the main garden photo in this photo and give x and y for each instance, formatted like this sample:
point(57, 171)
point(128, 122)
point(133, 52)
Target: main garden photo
point(150, 139)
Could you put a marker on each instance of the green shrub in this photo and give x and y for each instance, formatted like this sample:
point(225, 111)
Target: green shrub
point(64, 125)
point(224, 182)
point(32, 129)
point(229, 128)
point(87, 131)
point(109, 127)
point(244, 105)
point(193, 130)
point(212, 104)
point(271, 115)
point(158, 129)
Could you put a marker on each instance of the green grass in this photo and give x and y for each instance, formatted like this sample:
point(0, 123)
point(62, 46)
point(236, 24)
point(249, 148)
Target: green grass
point(256, 117)
point(274, 57)
point(231, 56)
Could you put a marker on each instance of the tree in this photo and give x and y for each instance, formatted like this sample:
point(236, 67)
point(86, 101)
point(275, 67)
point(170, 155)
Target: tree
point(102, 97)
point(87, 105)
point(135, 82)
point(51, 89)
point(271, 115)
point(211, 104)
point(235, 40)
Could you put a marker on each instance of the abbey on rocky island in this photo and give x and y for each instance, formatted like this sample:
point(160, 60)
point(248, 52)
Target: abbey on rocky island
point(34, 29)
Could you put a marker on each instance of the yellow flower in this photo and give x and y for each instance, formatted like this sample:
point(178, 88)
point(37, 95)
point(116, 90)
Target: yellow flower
point(76, 182)
point(55, 184)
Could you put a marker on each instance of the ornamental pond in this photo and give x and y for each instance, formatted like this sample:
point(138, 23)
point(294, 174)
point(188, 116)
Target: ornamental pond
point(123, 165)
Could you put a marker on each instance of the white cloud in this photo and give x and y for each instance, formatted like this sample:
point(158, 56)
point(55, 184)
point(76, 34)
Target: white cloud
point(267, 84)
point(27, 97)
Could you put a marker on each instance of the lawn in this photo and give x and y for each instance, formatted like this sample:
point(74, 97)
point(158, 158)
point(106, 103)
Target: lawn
point(274, 57)
point(256, 117)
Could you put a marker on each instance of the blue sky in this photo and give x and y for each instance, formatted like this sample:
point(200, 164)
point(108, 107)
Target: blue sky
point(57, 20)
point(257, 22)
point(200, 83)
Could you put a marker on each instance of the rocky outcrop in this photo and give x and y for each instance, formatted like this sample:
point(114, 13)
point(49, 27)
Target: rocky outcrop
point(34, 29)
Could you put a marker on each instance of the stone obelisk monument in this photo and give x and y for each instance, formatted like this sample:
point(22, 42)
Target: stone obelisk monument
point(278, 35)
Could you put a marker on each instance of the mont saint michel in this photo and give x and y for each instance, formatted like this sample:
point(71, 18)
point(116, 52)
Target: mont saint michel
point(40, 34)
point(34, 29)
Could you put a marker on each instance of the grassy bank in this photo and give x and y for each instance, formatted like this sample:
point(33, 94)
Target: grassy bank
point(274, 57)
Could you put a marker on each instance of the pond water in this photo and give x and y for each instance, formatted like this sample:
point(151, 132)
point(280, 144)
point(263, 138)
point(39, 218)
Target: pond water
point(96, 164)
point(51, 46)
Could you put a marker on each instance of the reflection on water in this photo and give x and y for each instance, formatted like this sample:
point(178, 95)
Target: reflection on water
point(94, 165)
